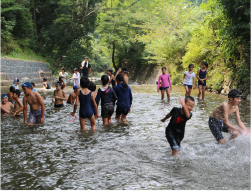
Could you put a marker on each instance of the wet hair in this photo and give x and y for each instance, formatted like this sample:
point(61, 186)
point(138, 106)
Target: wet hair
point(234, 93)
point(63, 68)
point(205, 63)
point(12, 89)
point(191, 65)
point(75, 69)
point(58, 83)
point(92, 86)
point(120, 78)
point(189, 98)
point(17, 80)
point(110, 70)
point(84, 82)
point(163, 68)
point(60, 78)
point(32, 83)
point(17, 91)
point(124, 70)
point(45, 79)
point(105, 80)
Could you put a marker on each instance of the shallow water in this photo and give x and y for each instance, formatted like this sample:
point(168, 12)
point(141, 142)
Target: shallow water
point(57, 155)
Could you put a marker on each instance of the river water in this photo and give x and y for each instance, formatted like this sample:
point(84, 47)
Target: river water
point(57, 155)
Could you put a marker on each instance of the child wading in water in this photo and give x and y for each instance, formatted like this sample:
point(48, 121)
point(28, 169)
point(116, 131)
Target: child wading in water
point(218, 120)
point(11, 94)
point(6, 105)
point(165, 81)
point(202, 76)
point(18, 107)
point(108, 97)
point(85, 96)
point(46, 85)
point(190, 80)
point(59, 96)
point(176, 128)
point(92, 87)
point(73, 95)
point(124, 94)
point(35, 100)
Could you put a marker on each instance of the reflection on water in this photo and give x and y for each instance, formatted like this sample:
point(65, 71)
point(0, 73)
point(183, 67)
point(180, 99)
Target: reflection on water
point(57, 155)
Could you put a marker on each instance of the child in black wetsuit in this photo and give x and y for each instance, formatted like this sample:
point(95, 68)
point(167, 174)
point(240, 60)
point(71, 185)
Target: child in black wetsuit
point(108, 98)
point(202, 76)
point(176, 128)
point(92, 87)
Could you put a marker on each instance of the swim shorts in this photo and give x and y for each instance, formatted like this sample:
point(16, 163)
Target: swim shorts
point(200, 84)
point(107, 110)
point(163, 88)
point(34, 116)
point(120, 110)
point(189, 86)
point(68, 102)
point(173, 140)
point(58, 105)
point(216, 126)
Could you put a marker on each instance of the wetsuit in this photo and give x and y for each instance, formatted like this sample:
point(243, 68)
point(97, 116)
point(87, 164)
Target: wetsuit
point(85, 110)
point(124, 99)
point(176, 128)
point(202, 75)
point(108, 98)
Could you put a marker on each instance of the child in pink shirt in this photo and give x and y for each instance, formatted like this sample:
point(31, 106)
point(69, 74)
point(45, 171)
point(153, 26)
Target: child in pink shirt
point(165, 83)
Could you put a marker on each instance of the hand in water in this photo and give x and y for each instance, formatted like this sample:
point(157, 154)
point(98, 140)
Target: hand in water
point(96, 116)
point(73, 114)
point(163, 120)
point(42, 119)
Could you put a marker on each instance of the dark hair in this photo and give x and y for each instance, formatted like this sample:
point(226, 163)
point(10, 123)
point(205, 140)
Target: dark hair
point(63, 68)
point(75, 69)
point(17, 91)
point(234, 93)
point(32, 83)
point(124, 70)
point(58, 83)
point(12, 89)
point(191, 65)
point(17, 80)
point(110, 70)
point(120, 78)
point(205, 63)
point(189, 98)
point(163, 67)
point(92, 86)
point(157, 82)
point(84, 82)
point(60, 78)
point(105, 80)
point(45, 79)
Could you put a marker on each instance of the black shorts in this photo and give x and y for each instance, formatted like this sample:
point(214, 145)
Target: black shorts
point(200, 84)
point(173, 140)
point(58, 105)
point(68, 102)
point(163, 88)
point(216, 126)
point(120, 110)
point(107, 110)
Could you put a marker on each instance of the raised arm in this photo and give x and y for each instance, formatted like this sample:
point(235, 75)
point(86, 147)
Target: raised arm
point(182, 102)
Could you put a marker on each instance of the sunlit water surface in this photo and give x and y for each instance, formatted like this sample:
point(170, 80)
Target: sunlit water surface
point(57, 155)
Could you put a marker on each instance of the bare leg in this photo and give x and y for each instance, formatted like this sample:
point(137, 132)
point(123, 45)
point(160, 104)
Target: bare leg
point(29, 123)
point(117, 118)
point(123, 118)
point(203, 92)
point(175, 152)
point(82, 123)
point(200, 92)
point(105, 121)
point(162, 94)
point(222, 141)
point(187, 91)
point(168, 94)
point(93, 124)
point(234, 134)
point(110, 119)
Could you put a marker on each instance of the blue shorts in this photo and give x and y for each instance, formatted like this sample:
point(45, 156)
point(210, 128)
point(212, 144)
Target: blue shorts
point(163, 88)
point(189, 86)
point(35, 116)
point(200, 84)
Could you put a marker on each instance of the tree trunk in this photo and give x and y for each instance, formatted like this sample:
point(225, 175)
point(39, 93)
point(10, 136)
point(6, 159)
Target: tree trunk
point(113, 60)
point(35, 19)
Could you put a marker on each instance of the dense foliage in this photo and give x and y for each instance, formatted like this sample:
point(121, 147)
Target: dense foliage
point(135, 34)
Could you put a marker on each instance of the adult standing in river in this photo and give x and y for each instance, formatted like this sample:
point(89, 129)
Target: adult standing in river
point(63, 74)
point(85, 65)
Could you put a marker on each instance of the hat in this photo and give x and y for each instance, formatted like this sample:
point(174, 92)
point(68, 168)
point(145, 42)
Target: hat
point(4, 95)
point(86, 57)
point(75, 87)
point(27, 84)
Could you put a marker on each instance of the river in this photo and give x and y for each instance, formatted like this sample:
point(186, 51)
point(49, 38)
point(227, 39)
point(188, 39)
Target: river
point(57, 155)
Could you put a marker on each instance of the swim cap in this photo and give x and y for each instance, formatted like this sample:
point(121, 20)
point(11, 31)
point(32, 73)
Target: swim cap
point(75, 87)
point(4, 95)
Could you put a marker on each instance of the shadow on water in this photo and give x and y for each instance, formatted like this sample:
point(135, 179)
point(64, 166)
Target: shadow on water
point(57, 155)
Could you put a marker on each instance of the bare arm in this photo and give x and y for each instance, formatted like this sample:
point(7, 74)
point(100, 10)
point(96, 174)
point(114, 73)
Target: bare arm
point(65, 97)
point(193, 82)
point(45, 85)
point(25, 109)
point(182, 102)
point(21, 107)
point(67, 77)
point(167, 116)
point(238, 120)
point(4, 110)
point(197, 75)
point(225, 116)
point(75, 105)
point(207, 76)
point(41, 102)
point(53, 97)
point(183, 78)
point(95, 105)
